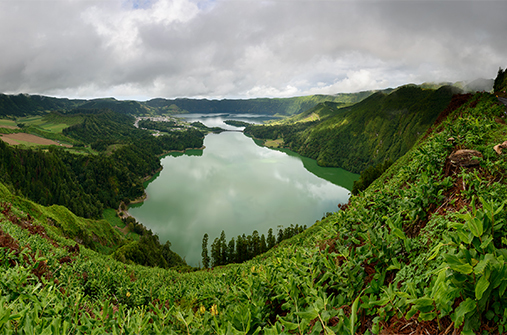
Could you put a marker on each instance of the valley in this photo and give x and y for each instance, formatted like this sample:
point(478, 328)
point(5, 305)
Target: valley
point(420, 249)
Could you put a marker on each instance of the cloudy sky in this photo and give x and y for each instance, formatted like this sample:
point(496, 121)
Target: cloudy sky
point(140, 49)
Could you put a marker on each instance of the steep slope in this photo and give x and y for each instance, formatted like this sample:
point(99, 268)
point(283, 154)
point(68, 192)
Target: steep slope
point(422, 250)
point(15, 106)
point(274, 106)
point(24, 104)
point(381, 127)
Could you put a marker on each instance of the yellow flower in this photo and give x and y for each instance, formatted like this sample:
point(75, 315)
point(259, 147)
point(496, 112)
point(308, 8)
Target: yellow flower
point(202, 309)
point(214, 310)
point(128, 294)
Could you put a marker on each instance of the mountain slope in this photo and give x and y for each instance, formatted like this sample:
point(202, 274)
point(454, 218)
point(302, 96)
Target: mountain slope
point(271, 106)
point(381, 127)
point(15, 106)
point(422, 250)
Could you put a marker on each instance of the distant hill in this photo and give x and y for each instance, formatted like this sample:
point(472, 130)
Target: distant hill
point(381, 127)
point(272, 106)
point(119, 106)
point(23, 105)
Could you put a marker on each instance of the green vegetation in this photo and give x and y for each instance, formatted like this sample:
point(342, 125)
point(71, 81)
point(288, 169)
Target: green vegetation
point(381, 127)
point(22, 105)
point(237, 123)
point(500, 83)
point(369, 175)
point(244, 247)
point(422, 249)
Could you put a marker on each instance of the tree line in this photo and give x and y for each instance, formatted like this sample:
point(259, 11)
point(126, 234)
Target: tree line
point(379, 128)
point(86, 184)
point(243, 248)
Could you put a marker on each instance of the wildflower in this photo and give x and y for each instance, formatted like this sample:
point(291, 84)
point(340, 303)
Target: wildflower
point(214, 310)
point(128, 294)
point(202, 309)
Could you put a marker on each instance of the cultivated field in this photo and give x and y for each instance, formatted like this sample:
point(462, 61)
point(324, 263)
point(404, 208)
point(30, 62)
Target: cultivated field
point(29, 140)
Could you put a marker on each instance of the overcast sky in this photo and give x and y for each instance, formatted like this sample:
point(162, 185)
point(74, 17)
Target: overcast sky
point(141, 49)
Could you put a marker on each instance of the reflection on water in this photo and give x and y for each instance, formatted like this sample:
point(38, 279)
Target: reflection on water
point(233, 185)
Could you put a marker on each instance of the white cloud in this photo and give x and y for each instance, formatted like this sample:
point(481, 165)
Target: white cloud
point(223, 48)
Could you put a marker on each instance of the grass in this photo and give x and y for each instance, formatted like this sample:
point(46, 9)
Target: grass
point(8, 123)
point(274, 143)
point(51, 123)
point(110, 216)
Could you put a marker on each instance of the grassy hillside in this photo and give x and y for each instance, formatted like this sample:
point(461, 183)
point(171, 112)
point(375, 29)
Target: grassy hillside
point(381, 127)
point(22, 105)
point(422, 250)
point(275, 106)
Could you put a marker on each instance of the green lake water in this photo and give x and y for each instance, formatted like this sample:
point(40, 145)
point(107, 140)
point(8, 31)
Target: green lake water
point(237, 186)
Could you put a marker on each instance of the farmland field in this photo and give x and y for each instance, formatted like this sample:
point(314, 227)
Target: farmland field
point(5, 123)
point(29, 140)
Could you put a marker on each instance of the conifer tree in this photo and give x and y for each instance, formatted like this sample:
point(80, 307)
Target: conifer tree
point(204, 254)
point(271, 239)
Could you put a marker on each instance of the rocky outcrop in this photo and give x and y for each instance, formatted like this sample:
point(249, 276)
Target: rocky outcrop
point(465, 158)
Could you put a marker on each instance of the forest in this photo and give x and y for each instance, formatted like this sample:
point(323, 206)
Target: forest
point(379, 128)
point(244, 247)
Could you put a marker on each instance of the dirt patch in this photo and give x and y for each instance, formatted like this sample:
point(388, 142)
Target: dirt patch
point(14, 139)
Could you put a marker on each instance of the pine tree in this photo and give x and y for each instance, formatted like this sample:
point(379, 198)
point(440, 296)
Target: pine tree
point(223, 248)
point(271, 239)
point(204, 254)
point(231, 254)
point(497, 86)
point(264, 247)
point(215, 253)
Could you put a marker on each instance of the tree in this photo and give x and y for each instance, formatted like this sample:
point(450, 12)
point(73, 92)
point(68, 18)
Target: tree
point(223, 248)
point(215, 253)
point(271, 241)
point(204, 254)
point(256, 243)
point(231, 254)
point(264, 247)
point(280, 234)
point(499, 80)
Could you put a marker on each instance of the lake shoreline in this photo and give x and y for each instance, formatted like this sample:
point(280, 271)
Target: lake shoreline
point(148, 178)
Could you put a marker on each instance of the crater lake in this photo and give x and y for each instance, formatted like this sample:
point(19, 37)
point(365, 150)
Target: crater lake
point(237, 186)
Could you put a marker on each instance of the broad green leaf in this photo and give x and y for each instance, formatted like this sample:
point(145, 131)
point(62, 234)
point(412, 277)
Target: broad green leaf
point(476, 227)
point(457, 265)
point(435, 251)
point(464, 237)
point(486, 242)
point(399, 233)
point(427, 316)
point(455, 225)
point(481, 286)
point(353, 315)
point(288, 325)
point(481, 266)
point(309, 315)
point(465, 307)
